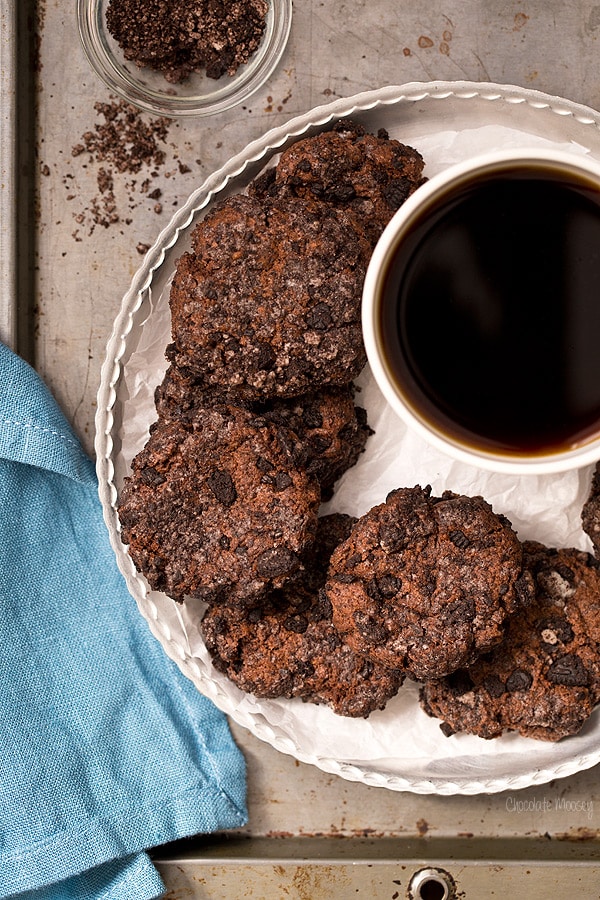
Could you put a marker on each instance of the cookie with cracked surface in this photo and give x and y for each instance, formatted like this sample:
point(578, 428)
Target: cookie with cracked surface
point(543, 681)
point(218, 508)
point(426, 584)
point(288, 646)
point(268, 299)
point(182, 392)
point(349, 168)
point(332, 430)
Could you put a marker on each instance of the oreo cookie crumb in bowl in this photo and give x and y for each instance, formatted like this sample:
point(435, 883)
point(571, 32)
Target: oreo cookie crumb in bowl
point(175, 58)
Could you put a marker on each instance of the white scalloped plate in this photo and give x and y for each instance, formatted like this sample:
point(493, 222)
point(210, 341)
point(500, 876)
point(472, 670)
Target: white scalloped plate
point(399, 748)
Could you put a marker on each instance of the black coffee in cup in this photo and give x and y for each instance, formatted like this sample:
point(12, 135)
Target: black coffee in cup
point(489, 314)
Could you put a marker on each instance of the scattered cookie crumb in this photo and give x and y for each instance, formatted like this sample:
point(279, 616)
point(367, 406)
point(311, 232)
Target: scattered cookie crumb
point(122, 144)
point(124, 138)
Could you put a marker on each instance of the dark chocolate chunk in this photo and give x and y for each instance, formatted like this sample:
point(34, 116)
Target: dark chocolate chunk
point(568, 670)
point(459, 539)
point(519, 681)
point(221, 484)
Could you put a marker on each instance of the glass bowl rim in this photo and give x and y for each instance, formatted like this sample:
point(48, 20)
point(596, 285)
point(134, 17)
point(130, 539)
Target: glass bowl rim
point(92, 32)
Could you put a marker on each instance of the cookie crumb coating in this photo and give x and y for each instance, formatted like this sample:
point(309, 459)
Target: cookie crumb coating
point(218, 509)
point(268, 300)
point(370, 175)
point(288, 646)
point(426, 584)
point(543, 681)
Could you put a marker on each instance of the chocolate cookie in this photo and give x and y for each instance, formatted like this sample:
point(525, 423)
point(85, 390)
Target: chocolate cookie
point(544, 679)
point(590, 514)
point(269, 298)
point(289, 647)
point(349, 168)
point(425, 584)
point(218, 509)
point(332, 431)
point(182, 392)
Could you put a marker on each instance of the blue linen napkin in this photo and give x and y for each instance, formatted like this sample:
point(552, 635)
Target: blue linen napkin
point(106, 749)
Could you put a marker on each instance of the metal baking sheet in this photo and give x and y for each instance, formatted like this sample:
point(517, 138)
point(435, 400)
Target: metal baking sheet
point(72, 278)
point(8, 146)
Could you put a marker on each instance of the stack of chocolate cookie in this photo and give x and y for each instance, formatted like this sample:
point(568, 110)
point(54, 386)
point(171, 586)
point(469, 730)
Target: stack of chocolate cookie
point(503, 635)
point(543, 679)
point(257, 419)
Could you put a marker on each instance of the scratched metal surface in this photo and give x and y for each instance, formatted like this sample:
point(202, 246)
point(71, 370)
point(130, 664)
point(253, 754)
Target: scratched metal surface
point(76, 271)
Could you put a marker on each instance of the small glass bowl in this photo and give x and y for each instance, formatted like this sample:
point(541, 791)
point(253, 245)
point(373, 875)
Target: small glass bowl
point(198, 95)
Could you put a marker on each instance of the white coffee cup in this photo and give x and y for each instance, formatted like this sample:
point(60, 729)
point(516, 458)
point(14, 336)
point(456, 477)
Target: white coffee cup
point(417, 241)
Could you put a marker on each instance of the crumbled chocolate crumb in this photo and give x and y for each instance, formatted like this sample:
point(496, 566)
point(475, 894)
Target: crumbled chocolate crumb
point(276, 562)
point(105, 180)
point(178, 38)
point(554, 630)
point(519, 681)
point(297, 624)
point(222, 486)
point(460, 611)
point(372, 631)
point(459, 539)
point(282, 481)
point(124, 139)
point(123, 142)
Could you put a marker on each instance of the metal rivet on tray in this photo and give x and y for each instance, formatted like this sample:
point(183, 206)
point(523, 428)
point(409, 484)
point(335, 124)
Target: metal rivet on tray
point(432, 884)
